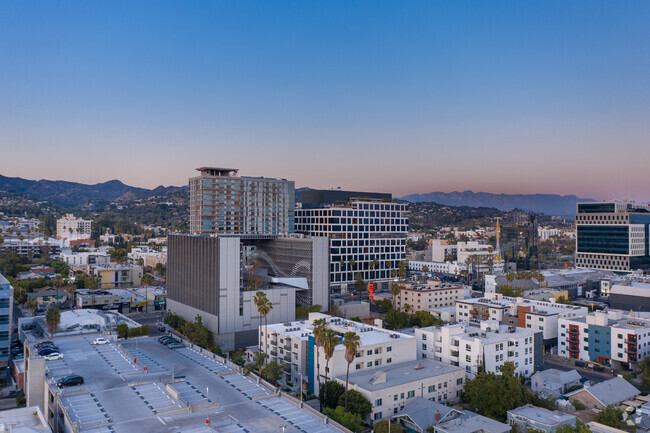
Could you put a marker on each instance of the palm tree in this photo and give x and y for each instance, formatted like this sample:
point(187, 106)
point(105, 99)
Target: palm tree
point(53, 319)
point(329, 344)
point(395, 290)
point(351, 341)
point(264, 307)
point(319, 336)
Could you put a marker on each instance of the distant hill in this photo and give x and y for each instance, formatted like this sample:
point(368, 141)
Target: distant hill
point(72, 194)
point(550, 204)
point(299, 192)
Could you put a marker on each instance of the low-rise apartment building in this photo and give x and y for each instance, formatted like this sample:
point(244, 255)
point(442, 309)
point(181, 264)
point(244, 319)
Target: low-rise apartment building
point(114, 276)
point(390, 388)
point(424, 298)
point(293, 343)
point(524, 313)
point(85, 258)
point(486, 344)
point(449, 268)
point(613, 338)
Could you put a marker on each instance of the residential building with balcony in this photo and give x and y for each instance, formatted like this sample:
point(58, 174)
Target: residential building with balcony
point(367, 236)
point(613, 338)
point(293, 343)
point(485, 344)
point(613, 236)
point(390, 388)
point(70, 228)
point(539, 316)
point(221, 202)
point(115, 276)
point(434, 294)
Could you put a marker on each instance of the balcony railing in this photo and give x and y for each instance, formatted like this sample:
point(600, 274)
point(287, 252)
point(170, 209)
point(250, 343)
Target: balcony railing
point(630, 349)
point(574, 331)
point(630, 341)
point(454, 353)
point(473, 311)
point(287, 357)
point(287, 346)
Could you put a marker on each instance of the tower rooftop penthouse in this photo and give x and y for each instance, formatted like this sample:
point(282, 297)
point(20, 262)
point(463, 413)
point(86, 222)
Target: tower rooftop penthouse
point(218, 171)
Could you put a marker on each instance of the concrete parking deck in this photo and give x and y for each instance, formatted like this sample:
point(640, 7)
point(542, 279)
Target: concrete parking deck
point(182, 390)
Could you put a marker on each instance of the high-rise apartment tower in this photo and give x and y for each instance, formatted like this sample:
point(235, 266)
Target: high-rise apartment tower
point(221, 202)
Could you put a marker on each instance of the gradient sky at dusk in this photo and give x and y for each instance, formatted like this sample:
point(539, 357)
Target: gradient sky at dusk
point(402, 96)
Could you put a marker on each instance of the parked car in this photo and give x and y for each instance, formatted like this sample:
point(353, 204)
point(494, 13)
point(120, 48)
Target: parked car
point(47, 351)
point(71, 380)
point(175, 345)
point(111, 307)
point(43, 344)
point(54, 356)
point(165, 339)
point(101, 340)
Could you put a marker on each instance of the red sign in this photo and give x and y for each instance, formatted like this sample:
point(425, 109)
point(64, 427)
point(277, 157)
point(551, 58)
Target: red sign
point(371, 290)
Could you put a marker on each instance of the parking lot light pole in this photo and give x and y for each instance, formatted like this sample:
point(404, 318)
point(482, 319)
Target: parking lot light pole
point(207, 393)
point(300, 387)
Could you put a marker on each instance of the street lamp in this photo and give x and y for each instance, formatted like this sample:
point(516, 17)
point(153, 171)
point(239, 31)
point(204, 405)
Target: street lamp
point(207, 393)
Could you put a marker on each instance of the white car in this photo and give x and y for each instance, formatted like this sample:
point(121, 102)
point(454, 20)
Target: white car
point(100, 340)
point(53, 356)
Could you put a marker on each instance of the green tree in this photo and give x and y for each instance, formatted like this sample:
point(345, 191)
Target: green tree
point(319, 335)
point(359, 283)
point(53, 319)
point(349, 420)
point(264, 307)
point(330, 341)
point(272, 371)
point(122, 330)
point(425, 269)
point(351, 342)
point(301, 312)
point(611, 416)
point(493, 395)
point(316, 308)
point(395, 290)
point(196, 332)
point(147, 279)
point(580, 427)
point(334, 392)
point(257, 365)
point(356, 402)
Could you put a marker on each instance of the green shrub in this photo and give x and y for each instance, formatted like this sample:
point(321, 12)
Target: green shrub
point(122, 330)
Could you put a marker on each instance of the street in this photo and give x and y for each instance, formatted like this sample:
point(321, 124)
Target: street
point(566, 365)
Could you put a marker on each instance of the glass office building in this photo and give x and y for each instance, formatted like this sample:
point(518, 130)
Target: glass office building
point(613, 236)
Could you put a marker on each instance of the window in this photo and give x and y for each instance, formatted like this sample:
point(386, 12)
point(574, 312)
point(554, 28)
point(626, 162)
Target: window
point(369, 364)
point(377, 416)
point(389, 360)
point(389, 348)
point(432, 388)
point(395, 397)
point(378, 402)
point(411, 394)
point(459, 381)
point(424, 346)
point(359, 366)
point(369, 352)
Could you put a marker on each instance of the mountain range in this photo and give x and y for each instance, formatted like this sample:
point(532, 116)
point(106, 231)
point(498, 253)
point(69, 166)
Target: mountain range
point(72, 194)
point(550, 204)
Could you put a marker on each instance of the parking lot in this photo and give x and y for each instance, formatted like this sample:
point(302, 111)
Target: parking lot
point(120, 396)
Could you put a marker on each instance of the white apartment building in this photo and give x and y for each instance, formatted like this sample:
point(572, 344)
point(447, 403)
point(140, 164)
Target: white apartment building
point(378, 348)
point(424, 298)
point(149, 256)
point(612, 338)
point(392, 387)
point(85, 258)
point(440, 250)
point(531, 314)
point(288, 343)
point(451, 268)
point(367, 238)
point(489, 345)
point(474, 248)
point(71, 229)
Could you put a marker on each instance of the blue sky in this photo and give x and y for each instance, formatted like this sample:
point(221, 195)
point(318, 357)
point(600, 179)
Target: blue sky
point(405, 97)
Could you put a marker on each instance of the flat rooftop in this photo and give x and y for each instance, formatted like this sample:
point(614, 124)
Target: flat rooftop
point(399, 374)
point(119, 396)
point(541, 415)
point(24, 419)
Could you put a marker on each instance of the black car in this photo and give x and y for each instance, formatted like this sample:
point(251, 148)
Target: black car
point(48, 350)
point(72, 380)
point(166, 339)
point(43, 344)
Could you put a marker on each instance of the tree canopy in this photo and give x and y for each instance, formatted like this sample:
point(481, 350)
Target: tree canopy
point(493, 395)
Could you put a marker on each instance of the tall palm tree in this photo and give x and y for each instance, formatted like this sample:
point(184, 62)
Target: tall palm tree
point(330, 341)
point(351, 341)
point(395, 290)
point(264, 307)
point(319, 335)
